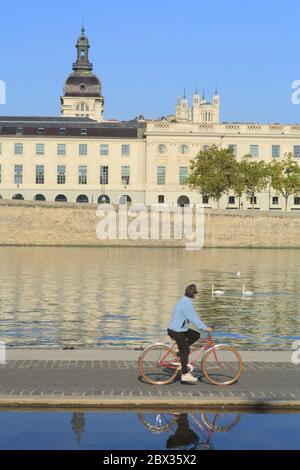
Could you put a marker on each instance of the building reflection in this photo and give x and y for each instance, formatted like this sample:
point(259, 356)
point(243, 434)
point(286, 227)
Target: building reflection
point(114, 297)
point(78, 424)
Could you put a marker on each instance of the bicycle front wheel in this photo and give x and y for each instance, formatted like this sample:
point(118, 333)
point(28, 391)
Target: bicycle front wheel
point(222, 365)
point(156, 364)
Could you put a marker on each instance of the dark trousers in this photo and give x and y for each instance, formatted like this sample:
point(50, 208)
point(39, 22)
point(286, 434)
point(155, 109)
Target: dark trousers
point(184, 341)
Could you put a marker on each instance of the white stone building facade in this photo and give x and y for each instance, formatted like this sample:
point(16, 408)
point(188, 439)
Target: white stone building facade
point(80, 157)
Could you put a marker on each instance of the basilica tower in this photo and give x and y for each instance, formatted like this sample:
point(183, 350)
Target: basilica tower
point(82, 90)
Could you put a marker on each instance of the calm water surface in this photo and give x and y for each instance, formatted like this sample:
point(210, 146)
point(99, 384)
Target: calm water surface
point(118, 297)
point(152, 431)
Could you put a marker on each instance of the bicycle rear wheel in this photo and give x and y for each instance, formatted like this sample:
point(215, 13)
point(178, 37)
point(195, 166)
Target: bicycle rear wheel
point(222, 365)
point(156, 364)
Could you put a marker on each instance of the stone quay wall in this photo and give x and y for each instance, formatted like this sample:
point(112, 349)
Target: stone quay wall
point(24, 223)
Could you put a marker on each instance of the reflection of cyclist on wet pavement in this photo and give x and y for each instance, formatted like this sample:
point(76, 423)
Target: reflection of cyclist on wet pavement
point(184, 436)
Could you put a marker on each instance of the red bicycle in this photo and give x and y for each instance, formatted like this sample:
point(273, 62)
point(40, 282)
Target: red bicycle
point(221, 364)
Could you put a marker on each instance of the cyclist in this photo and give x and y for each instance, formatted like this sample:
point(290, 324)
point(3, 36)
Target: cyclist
point(184, 313)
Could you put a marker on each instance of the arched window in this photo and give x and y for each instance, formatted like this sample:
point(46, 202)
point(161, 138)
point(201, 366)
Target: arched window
point(82, 199)
point(183, 201)
point(275, 200)
point(125, 200)
point(18, 197)
point(103, 199)
point(61, 198)
point(39, 197)
point(82, 107)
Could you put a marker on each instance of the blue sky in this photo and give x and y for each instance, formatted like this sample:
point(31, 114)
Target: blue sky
point(146, 53)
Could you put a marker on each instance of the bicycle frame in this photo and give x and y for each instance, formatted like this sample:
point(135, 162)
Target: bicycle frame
point(196, 353)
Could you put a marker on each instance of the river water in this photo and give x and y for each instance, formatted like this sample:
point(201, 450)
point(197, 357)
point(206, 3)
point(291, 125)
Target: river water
point(155, 430)
point(123, 297)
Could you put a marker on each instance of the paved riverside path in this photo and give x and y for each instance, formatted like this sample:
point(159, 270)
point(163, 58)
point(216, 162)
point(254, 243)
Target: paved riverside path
point(110, 379)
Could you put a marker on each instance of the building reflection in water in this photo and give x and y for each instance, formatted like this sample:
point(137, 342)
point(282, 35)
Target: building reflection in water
point(117, 297)
point(78, 423)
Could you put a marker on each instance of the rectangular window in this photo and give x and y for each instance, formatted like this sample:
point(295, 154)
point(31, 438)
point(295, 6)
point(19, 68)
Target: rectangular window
point(183, 175)
point(62, 131)
point(233, 149)
point(275, 151)
point(61, 149)
point(125, 150)
point(297, 151)
point(297, 201)
point(161, 175)
point(41, 130)
point(104, 150)
point(61, 174)
point(40, 149)
point(82, 149)
point(254, 151)
point(126, 175)
point(18, 149)
point(82, 175)
point(39, 174)
point(18, 174)
point(0, 174)
point(103, 174)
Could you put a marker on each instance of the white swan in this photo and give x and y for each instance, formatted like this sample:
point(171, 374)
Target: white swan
point(216, 292)
point(247, 293)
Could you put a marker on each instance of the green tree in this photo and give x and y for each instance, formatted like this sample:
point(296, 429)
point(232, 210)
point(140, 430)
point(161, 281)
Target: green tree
point(238, 185)
point(285, 177)
point(212, 172)
point(255, 176)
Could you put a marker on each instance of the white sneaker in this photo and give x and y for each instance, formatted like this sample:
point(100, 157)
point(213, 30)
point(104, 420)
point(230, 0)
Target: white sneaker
point(178, 365)
point(189, 378)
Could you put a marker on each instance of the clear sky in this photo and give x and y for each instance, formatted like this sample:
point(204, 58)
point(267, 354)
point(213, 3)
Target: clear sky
point(146, 53)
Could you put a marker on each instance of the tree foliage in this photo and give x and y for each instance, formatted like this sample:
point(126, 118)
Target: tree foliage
point(285, 177)
point(212, 172)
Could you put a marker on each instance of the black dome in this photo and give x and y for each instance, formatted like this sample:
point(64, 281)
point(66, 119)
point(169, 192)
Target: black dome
point(82, 86)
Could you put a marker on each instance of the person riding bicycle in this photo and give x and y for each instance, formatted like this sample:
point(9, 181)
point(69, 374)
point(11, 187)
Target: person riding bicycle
point(184, 313)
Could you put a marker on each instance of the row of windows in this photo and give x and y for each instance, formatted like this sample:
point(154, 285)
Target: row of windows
point(82, 198)
point(253, 150)
point(125, 199)
point(61, 130)
point(104, 171)
point(61, 174)
point(62, 149)
point(276, 151)
point(126, 150)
